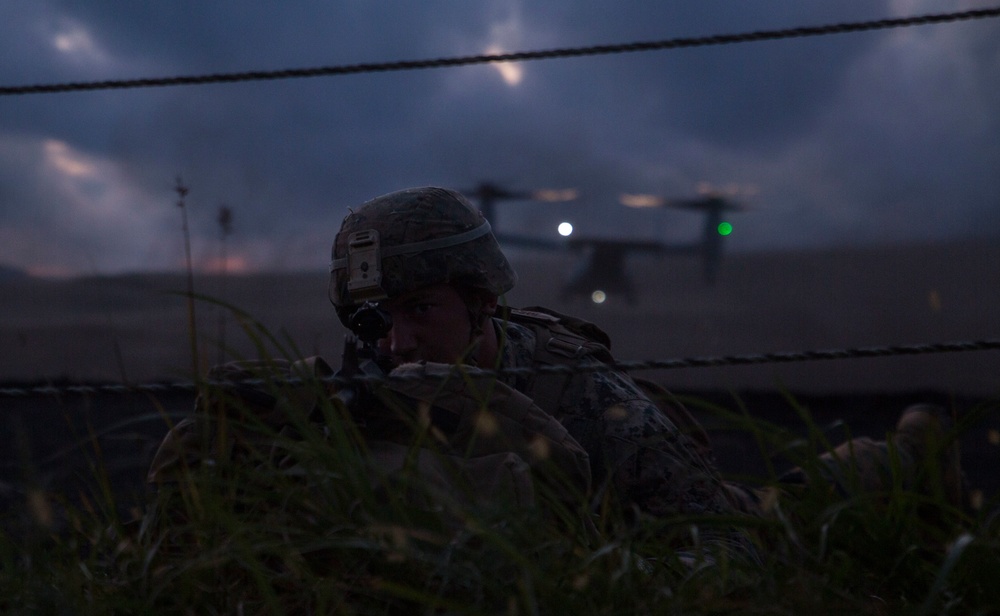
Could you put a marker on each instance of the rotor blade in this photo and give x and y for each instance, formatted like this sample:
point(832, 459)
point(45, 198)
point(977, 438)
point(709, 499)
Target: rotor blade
point(731, 190)
point(617, 246)
point(536, 243)
point(553, 195)
point(492, 192)
point(487, 190)
point(705, 204)
point(640, 200)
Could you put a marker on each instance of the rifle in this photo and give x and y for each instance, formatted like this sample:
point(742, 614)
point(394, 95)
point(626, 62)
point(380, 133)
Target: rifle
point(265, 385)
point(368, 324)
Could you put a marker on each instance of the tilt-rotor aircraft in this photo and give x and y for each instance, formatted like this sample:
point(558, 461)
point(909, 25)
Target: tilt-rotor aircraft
point(601, 272)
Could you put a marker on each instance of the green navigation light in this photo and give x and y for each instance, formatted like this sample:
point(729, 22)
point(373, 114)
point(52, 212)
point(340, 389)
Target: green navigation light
point(725, 228)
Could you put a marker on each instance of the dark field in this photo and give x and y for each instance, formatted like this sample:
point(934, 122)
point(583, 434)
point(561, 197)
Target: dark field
point(56, 444)
point(134, 329)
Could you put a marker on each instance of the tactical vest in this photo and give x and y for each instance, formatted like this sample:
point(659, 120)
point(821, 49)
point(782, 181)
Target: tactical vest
point(562, 340)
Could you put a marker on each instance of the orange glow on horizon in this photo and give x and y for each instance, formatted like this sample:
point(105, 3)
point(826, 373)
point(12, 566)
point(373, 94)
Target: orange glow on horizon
point(234, 264)
point(50, 271)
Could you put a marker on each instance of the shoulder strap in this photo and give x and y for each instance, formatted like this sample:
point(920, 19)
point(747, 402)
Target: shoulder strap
point(571, 324)
point(560, 337)
point(559, 340)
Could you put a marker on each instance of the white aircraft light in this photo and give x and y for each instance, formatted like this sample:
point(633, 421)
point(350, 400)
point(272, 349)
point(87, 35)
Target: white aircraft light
point(598, 296)
point(565, 229)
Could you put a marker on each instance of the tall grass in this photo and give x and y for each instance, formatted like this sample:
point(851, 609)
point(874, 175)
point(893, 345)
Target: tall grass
point(295, 518)
point(225, 220)
point(182, 192)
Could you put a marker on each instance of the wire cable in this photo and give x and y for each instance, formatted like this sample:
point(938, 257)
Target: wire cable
point(566, 52)
point(625, 366)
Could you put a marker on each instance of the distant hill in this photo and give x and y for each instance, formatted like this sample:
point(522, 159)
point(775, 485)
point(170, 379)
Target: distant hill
point(134, 327)
point(8, 272)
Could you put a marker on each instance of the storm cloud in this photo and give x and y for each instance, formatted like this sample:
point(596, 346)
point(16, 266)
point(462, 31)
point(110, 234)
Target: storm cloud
point(880, 137)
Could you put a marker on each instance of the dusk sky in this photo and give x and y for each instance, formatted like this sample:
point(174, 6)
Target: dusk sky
point(874, 138)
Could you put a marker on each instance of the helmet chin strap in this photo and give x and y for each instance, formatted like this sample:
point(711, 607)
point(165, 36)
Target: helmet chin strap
point(474, 305)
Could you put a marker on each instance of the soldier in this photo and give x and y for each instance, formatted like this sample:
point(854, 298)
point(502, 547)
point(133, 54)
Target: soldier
point(425, 261)
point(430, 260)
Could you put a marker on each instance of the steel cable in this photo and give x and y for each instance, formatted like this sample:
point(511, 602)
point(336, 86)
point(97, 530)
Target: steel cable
point(565, 52)
point(625, 366)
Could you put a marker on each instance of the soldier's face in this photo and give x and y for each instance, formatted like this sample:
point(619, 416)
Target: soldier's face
point(430, 324)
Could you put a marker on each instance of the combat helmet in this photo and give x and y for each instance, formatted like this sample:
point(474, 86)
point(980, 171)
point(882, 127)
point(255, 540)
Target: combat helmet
point(410, 239)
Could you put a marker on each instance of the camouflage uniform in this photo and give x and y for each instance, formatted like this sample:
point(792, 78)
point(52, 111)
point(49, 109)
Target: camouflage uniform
point(634, 449)
point(922, 455)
